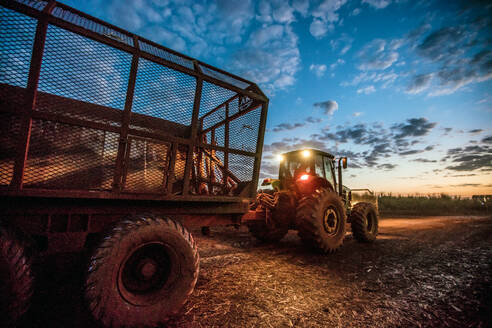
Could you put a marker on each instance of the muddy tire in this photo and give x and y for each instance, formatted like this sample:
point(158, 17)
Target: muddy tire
point(321, 221)
point(16, 277)
point(142, 273)
point(364, 220)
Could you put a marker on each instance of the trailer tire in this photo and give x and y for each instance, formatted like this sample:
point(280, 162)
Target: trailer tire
point(142, 273)
point(321, 221)
point(364, 222)
point(16, 277)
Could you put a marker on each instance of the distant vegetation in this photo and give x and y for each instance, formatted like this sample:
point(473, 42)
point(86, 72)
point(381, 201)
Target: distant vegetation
point(433, 205)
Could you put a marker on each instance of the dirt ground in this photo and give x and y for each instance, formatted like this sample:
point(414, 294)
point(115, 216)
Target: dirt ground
point(420, 272)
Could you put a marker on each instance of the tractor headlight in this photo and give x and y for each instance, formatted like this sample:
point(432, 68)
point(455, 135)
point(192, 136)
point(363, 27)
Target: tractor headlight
point(306, 153)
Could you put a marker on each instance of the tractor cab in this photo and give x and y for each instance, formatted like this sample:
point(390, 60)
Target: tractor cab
point(307, 170)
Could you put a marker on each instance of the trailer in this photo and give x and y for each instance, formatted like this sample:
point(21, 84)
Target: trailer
point(113, 143)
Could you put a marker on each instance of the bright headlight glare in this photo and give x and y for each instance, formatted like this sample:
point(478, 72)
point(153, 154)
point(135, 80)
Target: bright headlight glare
point(280, 158)
point(306, 153)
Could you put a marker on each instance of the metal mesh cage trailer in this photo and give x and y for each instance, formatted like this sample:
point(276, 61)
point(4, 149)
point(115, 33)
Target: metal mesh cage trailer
point(88, 110)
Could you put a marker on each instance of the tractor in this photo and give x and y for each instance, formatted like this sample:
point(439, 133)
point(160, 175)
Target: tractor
point(308, 197)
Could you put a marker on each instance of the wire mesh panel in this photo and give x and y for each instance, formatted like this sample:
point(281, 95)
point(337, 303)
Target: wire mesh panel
point(241, 166)
point(9, 132)
point(164, 93)
point(147, 166)
point(244, 131)
point(16, 39)
point(213, 96)
point(223, 77)
point(161, 53)
point(36, 4)
point(78, 68)
point(86, 118)
point(88, 24)
point(63, 156)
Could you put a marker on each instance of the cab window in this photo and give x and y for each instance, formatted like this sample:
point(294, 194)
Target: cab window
point(329, 170)
point(318, 166)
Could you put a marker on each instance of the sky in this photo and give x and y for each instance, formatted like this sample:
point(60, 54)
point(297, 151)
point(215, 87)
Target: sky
point(400, 87)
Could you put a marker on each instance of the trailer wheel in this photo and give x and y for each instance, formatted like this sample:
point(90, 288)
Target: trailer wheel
point(16, 277)
point(321, 221)
point(364, 222)
point(142, 273)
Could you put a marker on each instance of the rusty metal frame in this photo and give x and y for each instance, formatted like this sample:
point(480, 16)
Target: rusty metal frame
point(190, 136)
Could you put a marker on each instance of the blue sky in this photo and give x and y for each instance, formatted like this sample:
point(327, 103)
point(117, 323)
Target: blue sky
point(400, 87)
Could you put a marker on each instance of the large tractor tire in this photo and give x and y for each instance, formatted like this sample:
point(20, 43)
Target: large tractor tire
point(321, 221)
point(364, 220)
point(142, 273)
point(16, 277)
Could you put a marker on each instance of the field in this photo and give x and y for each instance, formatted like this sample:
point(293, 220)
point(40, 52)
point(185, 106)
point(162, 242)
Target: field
point(421, 272)
point(432, 205)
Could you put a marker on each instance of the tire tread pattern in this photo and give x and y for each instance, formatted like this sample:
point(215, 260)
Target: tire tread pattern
point(309, 225)
point(113, 238)
point(358, 217)
point(20, 278)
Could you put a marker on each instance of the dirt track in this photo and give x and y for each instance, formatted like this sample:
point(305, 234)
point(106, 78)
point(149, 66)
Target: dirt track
point(430, 272)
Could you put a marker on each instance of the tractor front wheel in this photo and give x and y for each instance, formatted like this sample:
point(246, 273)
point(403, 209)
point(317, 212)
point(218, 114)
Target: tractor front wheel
point(364, 222)
point(321, 220)
point(143, 272)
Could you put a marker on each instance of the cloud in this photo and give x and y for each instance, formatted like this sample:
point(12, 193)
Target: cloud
point(367, 90)
point(342, 44)
point(324, 17)
point(414, 127)
point(271, 62)
point(355, 12)
point(384, 79)
point(476, 131)
point(289, 126)
point(357, 114)
point(378, 4)
point(424, 160)
point(311, 119)
point(376, 56)
point(387, 166)
point(470, 158)
point(319, 70)
point(329, 106)
point(419, 83)
point(337, 63)
point(487, 140)
point(461, 53)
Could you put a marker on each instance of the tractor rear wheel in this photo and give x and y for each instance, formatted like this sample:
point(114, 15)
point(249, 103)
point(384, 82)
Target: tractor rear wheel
point(142, 273)
point(364, 222)
point(321, 221)
point(16, 277)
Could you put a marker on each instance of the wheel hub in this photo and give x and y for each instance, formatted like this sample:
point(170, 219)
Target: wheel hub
point(330, 221)
point(144, 273)
point(147, 268)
